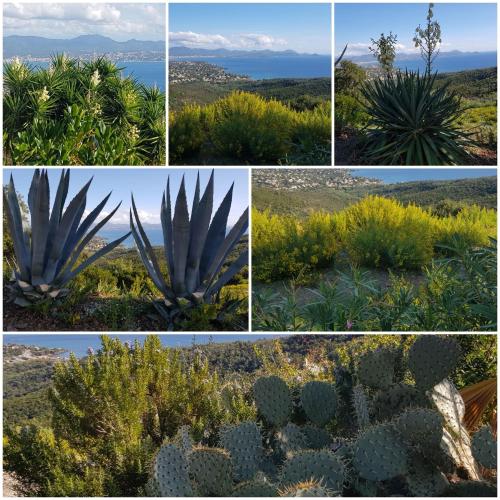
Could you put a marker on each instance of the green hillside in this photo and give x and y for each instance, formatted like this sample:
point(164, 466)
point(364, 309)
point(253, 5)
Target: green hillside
point(430, 194)
point(297, 92)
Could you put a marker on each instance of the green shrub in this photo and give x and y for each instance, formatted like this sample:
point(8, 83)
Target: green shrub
point(349, 113)
point(380, 232)
point(250, 129)
point(80, 113)
point(186, 133)
point(283, 246)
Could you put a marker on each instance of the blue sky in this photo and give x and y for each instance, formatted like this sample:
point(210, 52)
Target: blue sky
point(147, 185)
point(254, 26)
point(119, 21)
point(465, 27)
point(79, 344)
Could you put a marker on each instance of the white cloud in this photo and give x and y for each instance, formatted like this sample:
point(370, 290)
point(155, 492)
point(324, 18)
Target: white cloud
point(58, 20)
point(246, 41)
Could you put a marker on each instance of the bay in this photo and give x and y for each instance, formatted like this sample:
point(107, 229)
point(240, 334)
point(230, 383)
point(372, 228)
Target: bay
point(395, 175)
point(265, 68)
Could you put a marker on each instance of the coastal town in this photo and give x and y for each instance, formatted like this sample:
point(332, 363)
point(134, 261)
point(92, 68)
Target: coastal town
point(136, 56)
point(305, 179)
point(194, 71)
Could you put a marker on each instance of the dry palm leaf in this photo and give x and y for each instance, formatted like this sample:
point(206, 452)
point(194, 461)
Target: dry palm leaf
point(477, 398)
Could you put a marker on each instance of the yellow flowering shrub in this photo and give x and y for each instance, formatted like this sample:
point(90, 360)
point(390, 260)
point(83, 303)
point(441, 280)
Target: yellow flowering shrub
point(283, 246)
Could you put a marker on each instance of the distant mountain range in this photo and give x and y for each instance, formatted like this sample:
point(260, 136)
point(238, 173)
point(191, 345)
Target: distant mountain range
point(189, 52)
point(366, 59)
point(81, 46)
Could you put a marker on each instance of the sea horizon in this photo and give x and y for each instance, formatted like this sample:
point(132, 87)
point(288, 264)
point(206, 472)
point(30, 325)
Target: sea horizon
point(80, 343)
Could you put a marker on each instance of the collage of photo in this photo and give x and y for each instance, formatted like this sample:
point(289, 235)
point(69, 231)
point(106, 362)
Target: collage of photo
point(249, 249)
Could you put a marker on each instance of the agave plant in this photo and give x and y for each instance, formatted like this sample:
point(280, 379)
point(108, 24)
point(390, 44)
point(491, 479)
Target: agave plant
point(411, 122)
point(47, 251)
point(195, 248)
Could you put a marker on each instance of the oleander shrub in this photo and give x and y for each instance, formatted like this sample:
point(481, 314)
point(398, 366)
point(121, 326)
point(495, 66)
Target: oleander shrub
point(380, 232)
point(283, 246)
point(80, 113)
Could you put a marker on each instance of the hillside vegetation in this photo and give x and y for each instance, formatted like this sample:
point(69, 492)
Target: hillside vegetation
point(434, 195)
point(111, 412)
point(80, 113)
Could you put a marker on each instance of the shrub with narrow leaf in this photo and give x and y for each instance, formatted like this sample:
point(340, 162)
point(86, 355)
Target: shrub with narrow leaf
point(47, 252)
point(413, 123)
point(196, 248)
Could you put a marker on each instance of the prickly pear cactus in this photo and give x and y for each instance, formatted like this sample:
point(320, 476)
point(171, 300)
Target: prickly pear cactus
point(472, 489)
point(379, 454)
point(183, 440)
point(420, 427)
point(432, 358)
point(244, 444)
point(376, 368)
point(290, 439)
point(395, 399)
point(211, 471)
point(319, 401)
point(273, 400)
point(484, 447)
point(255, 488)
point(171, 475)
point(424, 479)
point(317, 437)
point(311, 488)
point(360, 404)
point(320, 465)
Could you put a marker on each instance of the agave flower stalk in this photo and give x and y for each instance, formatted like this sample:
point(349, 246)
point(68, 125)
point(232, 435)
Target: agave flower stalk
point(195, 248)
point(48, 250)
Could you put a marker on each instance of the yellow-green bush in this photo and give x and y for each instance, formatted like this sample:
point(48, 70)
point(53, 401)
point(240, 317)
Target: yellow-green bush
point(283, 246)
point(472, 226)
point(249, 128)
point(186, 132)
point(381, 232)
point(314, 126)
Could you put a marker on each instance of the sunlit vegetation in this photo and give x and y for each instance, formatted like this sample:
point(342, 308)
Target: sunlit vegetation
point(80, 113)
point(109, 413)
point(244, 128)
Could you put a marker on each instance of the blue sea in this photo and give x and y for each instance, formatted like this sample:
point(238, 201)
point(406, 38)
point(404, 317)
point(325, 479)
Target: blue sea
point(155, 235)
point(79, 343)
point(394, 175)
point(264, 68)
point(444, 63)
point(148, 73)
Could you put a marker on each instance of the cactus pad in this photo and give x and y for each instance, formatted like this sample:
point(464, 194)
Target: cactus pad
point(320, 465)
point(211, 471)
point(376, 368)
point(273, 400)
point(256, 488)
point(420, 427)
point(290, 439)
point(396, 399)
point(432, 358)
point(471, 489)
point(183, 440)
point(484, 447)
point(360, 404)
point(425, 480)
point(244, 444)
point(319, 402)
point(171, 472)
point(317, 437)
point(311, 488)
point(378, 454)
